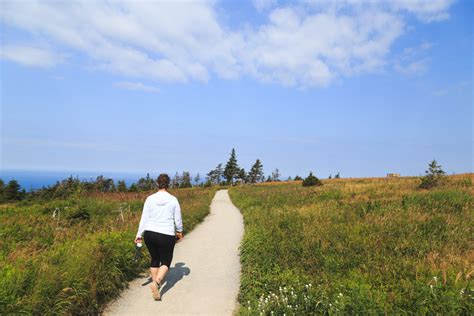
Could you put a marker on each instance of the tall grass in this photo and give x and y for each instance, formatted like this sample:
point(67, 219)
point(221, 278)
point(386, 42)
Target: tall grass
point(363, 246)
point(82, 257)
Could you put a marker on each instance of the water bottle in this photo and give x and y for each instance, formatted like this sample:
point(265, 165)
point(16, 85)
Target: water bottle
point(138, 248)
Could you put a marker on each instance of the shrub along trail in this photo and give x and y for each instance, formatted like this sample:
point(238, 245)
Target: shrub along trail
point(204, 274)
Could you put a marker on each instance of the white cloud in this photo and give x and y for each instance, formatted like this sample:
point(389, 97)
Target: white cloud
point(295, 48)
point(417, 67)
point(136, 86)
point(413, 60)
point(29, 55)
point(458, 87)
point(425, 10)
point(300, 45)
point(262, 5)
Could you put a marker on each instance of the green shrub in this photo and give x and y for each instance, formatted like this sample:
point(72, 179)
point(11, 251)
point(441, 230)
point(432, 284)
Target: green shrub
point(311, 180)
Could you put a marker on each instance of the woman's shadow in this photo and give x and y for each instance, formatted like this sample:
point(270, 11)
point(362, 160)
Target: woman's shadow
point(174, 275)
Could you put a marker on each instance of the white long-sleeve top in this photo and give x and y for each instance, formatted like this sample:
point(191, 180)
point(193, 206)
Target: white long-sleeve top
point(161, 214)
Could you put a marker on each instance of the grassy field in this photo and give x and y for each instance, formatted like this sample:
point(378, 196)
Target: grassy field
point(364, 246)
point(79, 259)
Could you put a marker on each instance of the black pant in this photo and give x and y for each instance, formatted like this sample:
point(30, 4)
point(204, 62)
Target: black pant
point(161, 248)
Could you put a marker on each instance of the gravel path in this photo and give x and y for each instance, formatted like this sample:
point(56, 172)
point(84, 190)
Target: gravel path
point(204, 274)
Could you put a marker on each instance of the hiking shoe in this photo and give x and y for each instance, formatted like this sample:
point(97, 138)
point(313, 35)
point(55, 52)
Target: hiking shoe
point(155, 291)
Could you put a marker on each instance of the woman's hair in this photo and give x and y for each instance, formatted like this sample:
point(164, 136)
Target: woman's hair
point(163, 181)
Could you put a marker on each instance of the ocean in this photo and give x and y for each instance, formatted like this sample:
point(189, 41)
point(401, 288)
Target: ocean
point(31, 179)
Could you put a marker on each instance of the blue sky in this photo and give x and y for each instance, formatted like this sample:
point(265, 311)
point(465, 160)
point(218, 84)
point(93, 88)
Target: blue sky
point(360, 88)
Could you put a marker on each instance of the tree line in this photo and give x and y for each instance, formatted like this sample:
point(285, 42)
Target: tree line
point(230, 174)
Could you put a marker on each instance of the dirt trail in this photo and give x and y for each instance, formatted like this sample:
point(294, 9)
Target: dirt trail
point(204, 275)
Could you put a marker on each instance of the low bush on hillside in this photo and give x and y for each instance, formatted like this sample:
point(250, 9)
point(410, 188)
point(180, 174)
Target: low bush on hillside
point(311, 180)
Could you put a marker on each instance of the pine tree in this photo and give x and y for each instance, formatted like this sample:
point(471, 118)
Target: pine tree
point(434, 176)
point(185, 180)
point(133, 188)
point(197, 179)
point(298, 178)
point(215, 176)
point(232, 169)
point(330, 176)
point(276, 175)
point(256, 172)
point(13, 191)
point(337, 176)
point(176, 181)
point(2, 191)
point(242, 175)
point(121, 186)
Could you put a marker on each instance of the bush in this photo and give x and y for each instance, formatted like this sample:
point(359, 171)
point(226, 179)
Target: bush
point(311, 180)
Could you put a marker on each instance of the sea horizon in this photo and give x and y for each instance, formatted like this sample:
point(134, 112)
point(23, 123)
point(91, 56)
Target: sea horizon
point(36, 179)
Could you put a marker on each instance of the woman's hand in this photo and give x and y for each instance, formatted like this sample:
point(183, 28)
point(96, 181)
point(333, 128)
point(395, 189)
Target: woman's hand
point(138, 239)
point(179, 236)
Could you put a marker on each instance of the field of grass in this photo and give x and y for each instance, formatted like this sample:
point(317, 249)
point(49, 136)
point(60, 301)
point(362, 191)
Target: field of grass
point(82, 257)
point(364, 246)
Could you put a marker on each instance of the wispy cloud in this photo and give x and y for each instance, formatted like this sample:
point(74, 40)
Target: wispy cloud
point(456, 88)
point(302, 44)
point(28, 55)
point(413, 68)
point(413, 60)
point(262, 5)
point(136, 86)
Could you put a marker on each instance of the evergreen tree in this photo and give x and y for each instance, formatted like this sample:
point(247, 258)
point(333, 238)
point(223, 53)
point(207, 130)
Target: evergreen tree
point(176, 181)
point(330, 176)
point(337, 176)
point(103, 184)
point(276, 175)
point(215, 176)
point(2, 190)
point(289, 179)
point(197, 179)
point(242, 175)
point(13, 192)
point(231, 170)
point(133, 188)
point(434, 176)
point(185, 180)
point(121, 186)
point(298, 178)
point(256, 172)
point(311, 180)
point(269, 179)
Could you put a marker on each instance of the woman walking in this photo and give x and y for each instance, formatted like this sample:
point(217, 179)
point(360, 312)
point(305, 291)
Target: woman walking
point(161, 226)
